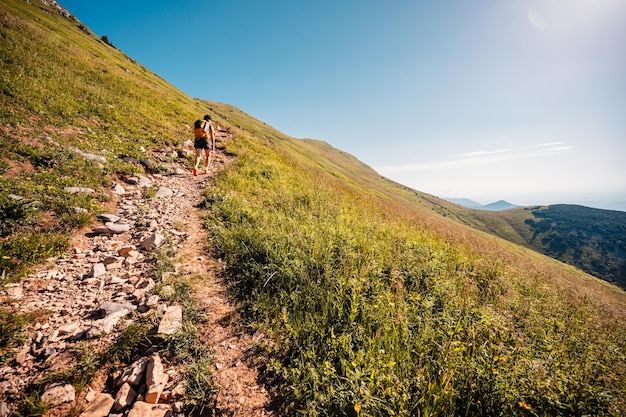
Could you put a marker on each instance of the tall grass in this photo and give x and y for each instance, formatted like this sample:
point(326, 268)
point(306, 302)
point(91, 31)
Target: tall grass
point(372, 313)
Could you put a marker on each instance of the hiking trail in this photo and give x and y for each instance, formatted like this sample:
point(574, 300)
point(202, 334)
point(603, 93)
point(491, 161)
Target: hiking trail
point(90, 295)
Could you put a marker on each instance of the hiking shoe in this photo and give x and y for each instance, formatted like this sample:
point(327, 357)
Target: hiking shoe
point(195, 172)
point(206, 170)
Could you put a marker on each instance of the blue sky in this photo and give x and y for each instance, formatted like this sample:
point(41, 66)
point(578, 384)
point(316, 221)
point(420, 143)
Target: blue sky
point(523, 100)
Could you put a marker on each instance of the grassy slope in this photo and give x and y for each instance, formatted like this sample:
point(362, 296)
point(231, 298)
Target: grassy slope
point(376, 303)
point(352, 281)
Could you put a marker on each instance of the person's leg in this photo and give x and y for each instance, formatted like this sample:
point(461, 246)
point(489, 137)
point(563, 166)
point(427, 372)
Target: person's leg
point(197, 161)
point(207, 161)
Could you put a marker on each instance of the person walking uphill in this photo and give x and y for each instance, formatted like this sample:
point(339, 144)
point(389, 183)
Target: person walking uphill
point(203, 131)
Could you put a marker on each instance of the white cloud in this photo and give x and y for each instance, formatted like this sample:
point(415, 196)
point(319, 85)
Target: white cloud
point(482, 158)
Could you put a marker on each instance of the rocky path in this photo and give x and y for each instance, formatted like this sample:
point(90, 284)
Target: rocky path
point(84, 299)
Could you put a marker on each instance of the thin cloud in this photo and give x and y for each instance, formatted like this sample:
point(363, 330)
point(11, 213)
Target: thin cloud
point(484, 157)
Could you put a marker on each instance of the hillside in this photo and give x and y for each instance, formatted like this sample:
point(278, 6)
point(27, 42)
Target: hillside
point(357, 295)
point(590, 239)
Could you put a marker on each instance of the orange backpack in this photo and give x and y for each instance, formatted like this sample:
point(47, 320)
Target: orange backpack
point(198, 129)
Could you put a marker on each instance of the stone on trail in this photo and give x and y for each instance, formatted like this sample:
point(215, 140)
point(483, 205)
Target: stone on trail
point(59, 394)
point(164, 192)
point(142, 409)
point(125, 397)
point(112, 229)
point(118, 189)
point(107, 217)
point(172, 320)
point(134, 373)
point(153, 241)
point(98, 270)
point(156, 379)
point(100, 406)
point(106, 309)
point(106, 325)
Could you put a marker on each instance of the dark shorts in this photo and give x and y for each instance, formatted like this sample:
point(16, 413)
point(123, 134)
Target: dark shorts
point(201, 143)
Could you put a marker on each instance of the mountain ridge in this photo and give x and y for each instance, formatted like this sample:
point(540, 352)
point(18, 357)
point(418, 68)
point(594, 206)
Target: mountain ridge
point(495, 206)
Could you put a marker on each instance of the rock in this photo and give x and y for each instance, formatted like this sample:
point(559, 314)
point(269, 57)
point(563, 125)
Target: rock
point(59, 394)
point(48, 351)
point(14, 291)
point(125, 397)
point(164, 192)
point(118, 280)
point(98, 270)
point(106, 325)
point(143, 409)
point(156, 379)
point(90, 395)
point(130, 160)
point(172, 320)
point(141, 181)
point(80, 210)
point(4, 409)
point(21, 357)
point(134, 373)
point(88, 155)
point(152, 301)
point(100, 406)
point(118, 189)
point(69, 329)
point(132, 180)
point(118, 228)
point(145, 284)
point(115, 265)
point(167, 291)
point(128, 252)
point(184, 153)
point(112, 228)
point(147, 165)
point(78, 190)
point(112, 218)
point(92, 281)
point(106, 309)
point(153, 241)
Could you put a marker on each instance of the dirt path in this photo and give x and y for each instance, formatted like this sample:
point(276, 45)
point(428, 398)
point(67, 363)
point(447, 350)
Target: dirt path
point(239, 391)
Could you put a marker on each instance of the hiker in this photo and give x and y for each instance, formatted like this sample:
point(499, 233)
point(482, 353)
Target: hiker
point(203, 131)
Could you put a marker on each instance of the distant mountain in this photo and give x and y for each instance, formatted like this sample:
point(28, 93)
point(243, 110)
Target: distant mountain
point(593, 240)
point(465, 202)
point(496, 206)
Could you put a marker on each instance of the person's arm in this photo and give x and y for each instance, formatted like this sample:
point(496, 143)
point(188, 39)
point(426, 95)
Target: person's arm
point(212, 135)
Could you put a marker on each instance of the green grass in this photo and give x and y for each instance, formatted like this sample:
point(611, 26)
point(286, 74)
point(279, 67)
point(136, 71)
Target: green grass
point(372, 313)
point(12, 334)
